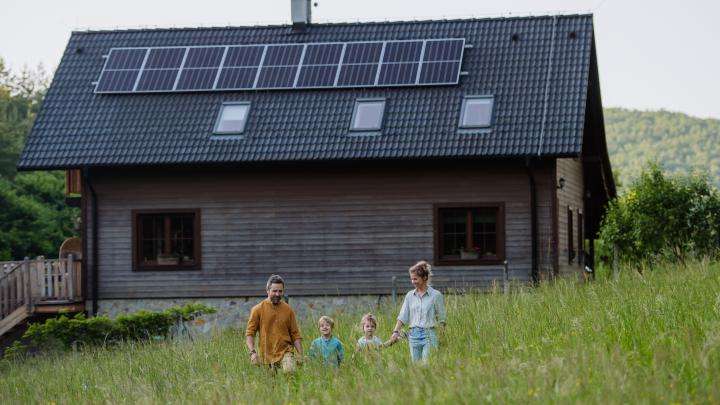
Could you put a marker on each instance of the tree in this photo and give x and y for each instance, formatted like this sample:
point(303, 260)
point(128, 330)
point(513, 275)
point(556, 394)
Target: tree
point(34, 219)
point(663, 216)
point(20, 99)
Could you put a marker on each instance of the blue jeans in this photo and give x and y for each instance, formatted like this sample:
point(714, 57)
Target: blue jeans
point(422, 341)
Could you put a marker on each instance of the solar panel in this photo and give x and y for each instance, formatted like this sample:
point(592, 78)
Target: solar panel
point(439, 72)
point(117, 81)
point(357, 75)
point(126, 59)
point(209, 57)
point(398, 73)
point(236, 78)
point(317, 76)
point(402, 51)
point(441, 62)
point(360, 64)
point(157, 80)
point(418, 62)
point(319, 65)
point(200, 68)
point(323, 54)
point(197, 79)
point(244, 56)
point(121, 70)
point(240, 67)
point(161, 69)
point(363, 52)
point(450, 50)
point(279, 66)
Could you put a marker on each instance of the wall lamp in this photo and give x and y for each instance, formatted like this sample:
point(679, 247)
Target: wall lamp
point(561, 183)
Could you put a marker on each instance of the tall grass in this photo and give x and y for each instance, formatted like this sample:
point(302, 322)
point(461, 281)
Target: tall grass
point(650, 338)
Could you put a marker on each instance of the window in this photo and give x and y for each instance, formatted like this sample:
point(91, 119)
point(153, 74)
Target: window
point(167, 240)
point(476, 112)
point(570, 247)
point(469, 234)
point(232, 118)
point(581, 239)
point(368, 115)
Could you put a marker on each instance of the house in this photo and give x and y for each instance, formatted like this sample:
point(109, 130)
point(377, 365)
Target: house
point(336, 155)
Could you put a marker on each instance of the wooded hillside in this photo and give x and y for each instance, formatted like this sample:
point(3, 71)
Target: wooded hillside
point(678, 142)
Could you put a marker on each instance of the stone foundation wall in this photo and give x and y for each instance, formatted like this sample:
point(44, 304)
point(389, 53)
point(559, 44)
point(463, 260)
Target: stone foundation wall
point(234, 312)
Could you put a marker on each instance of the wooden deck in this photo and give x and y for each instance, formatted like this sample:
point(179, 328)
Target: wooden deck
point(38, 286)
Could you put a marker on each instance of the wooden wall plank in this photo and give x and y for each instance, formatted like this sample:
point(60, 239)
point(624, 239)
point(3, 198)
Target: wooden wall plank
point(347, 230)
point(570, 196)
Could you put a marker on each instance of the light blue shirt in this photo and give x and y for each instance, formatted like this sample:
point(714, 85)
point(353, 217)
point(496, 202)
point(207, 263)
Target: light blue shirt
point(374, 343)
point(331, 350)
point(426, 311)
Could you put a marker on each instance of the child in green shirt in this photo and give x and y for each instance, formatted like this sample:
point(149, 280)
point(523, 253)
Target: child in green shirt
point(327, 347)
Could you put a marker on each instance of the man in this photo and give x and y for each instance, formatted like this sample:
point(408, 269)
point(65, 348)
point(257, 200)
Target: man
point(279, 333)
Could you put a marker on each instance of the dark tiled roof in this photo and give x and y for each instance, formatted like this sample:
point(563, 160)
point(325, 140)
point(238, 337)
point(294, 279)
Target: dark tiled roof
point(539, 83)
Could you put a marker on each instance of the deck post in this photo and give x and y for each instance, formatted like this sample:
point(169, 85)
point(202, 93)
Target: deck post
point(12, 294)
point(3, 299)
point(28, 283)
point(70, 277)
point(18, 287)
point(41, 277)
point(56, 271)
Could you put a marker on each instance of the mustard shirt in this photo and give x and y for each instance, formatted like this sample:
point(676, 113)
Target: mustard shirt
point(278, 329)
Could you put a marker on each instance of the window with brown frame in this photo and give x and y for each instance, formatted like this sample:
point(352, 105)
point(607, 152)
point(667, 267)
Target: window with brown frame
point(166, 240)
point(469, 234)
point(570, 247)
point(581, 239)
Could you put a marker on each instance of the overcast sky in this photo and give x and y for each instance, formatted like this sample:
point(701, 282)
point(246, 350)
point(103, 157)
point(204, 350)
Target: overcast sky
point(657, 54)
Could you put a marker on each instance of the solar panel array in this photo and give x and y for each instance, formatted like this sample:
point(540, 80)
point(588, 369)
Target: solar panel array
point(423, 62)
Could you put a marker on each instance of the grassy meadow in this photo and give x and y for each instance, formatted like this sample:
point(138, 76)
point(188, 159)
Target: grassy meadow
point(647, 339)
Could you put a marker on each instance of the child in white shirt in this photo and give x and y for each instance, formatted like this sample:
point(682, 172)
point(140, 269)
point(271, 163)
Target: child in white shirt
point(369, 341)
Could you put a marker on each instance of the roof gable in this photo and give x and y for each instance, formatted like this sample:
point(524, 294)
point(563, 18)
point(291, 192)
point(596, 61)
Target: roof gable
point(536, 68)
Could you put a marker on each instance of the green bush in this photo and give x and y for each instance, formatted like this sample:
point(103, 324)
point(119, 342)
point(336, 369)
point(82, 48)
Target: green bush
point(64, 333)
point(664, 217)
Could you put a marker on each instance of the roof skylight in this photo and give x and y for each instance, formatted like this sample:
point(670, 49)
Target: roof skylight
point(476, 112)
point(232, 118)
point(368, 115)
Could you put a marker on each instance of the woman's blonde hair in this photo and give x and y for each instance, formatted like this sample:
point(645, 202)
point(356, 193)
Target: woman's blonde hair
point(368, 318)
point(422, 269)
point(328, 320)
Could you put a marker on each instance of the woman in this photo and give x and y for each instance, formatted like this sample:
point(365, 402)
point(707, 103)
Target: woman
point(423, 310)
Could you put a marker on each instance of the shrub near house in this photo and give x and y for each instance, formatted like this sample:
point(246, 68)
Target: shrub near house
point(64, 333)
point(664, 216)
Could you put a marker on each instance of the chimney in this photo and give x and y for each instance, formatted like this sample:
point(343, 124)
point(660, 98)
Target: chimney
point(300, 10)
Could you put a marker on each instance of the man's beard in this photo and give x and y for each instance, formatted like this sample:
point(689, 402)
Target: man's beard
point(275, 300)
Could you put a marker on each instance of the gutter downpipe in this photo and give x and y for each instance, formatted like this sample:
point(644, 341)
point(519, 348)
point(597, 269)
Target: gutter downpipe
point(533, 222)
point(95, 283)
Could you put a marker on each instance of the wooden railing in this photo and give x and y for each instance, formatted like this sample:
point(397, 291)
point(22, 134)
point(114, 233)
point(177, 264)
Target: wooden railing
point(36, 282)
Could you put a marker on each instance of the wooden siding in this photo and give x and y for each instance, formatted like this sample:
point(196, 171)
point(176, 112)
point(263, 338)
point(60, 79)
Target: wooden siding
point(545, 193)
point(73, 182)
point(570, 196)
point(328, 230)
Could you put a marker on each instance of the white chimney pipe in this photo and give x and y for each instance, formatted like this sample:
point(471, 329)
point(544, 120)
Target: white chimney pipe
point(300, 10)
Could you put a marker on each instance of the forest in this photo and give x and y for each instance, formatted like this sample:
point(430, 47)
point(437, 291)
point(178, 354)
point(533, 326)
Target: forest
point(680, 143)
